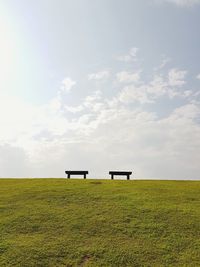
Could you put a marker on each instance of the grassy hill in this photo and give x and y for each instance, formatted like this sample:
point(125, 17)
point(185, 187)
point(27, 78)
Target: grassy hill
point(58, 222)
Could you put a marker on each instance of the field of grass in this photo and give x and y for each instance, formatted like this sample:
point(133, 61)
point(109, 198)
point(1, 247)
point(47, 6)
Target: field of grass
point(60, 222)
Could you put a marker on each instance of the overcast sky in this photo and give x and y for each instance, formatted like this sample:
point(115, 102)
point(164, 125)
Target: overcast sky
point(100, 85)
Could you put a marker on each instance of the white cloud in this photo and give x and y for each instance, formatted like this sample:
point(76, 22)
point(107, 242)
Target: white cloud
point(181, 3)
point(189, 111)
point(157, 87)
point(128, 77)
point(198, 76)
point(164, 62)
point(101, 75)
point(75, 109)
point(132, 93)
point(131, 56)
point(177, 77)
point(109, 132)
point(160, 85)
point(116, 129)
point(133, 51)
point(161, 148)
point(67, 84)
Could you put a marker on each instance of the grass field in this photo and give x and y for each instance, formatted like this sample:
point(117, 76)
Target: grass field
point(58, 222)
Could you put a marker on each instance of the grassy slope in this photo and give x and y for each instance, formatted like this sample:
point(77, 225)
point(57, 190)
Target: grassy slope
point(61, 222)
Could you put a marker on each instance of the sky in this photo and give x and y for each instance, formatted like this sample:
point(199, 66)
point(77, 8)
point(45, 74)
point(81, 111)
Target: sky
point(100, 85)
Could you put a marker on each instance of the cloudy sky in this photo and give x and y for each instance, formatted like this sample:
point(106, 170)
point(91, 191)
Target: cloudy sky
point(100, 85)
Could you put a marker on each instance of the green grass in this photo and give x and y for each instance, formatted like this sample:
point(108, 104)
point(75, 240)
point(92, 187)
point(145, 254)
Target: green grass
point(58, 222)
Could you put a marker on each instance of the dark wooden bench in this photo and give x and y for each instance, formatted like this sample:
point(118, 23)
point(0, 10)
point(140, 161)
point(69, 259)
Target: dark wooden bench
point(112, 173)
point(76, 173)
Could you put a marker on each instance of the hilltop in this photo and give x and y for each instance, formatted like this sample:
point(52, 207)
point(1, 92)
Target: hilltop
point(60, 222)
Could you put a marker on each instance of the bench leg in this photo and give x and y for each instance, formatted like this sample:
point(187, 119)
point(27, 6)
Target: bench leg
point(112, 176)
point(128, 177)
point(84, 176)
point(68, 176)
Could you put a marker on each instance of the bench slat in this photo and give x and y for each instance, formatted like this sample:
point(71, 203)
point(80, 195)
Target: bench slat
point(120, 173)
point(76, 172)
